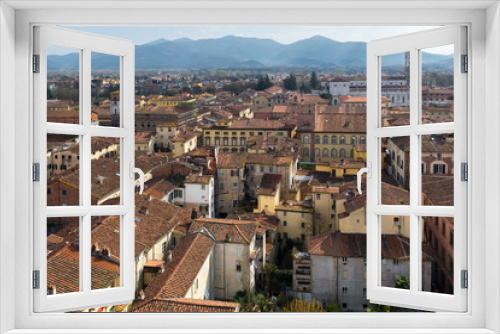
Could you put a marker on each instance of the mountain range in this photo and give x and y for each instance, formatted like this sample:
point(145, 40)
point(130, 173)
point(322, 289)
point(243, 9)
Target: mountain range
point(243, 53)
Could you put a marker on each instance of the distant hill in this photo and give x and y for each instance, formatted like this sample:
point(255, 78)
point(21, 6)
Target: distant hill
point(243, 52)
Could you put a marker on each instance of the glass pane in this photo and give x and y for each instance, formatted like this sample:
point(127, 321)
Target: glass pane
point(395, 89)
point(395, 251)
point(437, 254)
point(63, 84)
point(63, 170)
point(395, 174)
point(63, 255)
point(437, 84)
point(105, 260)
point(105, 171)
point(437, 169)
point(105, 89)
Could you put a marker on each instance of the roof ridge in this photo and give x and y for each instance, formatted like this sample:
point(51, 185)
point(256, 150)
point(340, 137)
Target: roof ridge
point(241, 233)
point(184, 256)
point(322, 241)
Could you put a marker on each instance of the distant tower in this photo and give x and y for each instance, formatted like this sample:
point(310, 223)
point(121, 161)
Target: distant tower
point(407, 67)
point(114, 105)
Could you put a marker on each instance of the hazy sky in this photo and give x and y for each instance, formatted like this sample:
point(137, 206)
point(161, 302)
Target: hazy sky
point(281, 34)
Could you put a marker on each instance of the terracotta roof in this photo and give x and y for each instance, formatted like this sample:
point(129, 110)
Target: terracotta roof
point(269, 184)
point(231, 160)
point(158, 189)
point(348, 164)
point(199, 179)
point(256, 124)
point(341, 123)
point(60, 104)
point(279, 109)
point(325, 190)
point(105, 174)
point(144, 137)
point(63, 270)
point(185, 305)
point(184, 135)
point(358, 99)
point(276, 158)
point(228, 230)
point(188, 258)
point(338, 244)
point(438, 189)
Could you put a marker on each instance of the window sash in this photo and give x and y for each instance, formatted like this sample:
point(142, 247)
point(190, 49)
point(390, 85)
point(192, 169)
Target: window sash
point(414, 298)
point(86, 297)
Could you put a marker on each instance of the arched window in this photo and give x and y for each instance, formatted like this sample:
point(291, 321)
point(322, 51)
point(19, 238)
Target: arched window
point(306, 139)
point(317, 152)
point(316, 139)
point(398, 160)
point(342, 140)
point(305, 152)
point(353, 140)
point(325, 140)
point(342, 153)
point(334, 153)
point(352, 153)
point(334, 140)
point(325, 152)
point(362, 140)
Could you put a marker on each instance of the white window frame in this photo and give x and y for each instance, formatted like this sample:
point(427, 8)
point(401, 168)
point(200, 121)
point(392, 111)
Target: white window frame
point(413, 43)
point(483, 102)
point(86, 44)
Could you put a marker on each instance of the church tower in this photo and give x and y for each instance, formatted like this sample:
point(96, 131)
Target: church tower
point(114, 105)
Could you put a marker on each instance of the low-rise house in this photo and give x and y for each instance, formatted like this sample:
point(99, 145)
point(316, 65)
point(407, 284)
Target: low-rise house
point(268, 193)
point(198, 194)
point(230, 182)
point(235, 254)
point(296, 219)
point(283, 163)
point(188, 274)
point(334, 268)
point(145, 141)
point(184, 142)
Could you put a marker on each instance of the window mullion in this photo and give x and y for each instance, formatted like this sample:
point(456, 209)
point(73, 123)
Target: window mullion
point(415, 196)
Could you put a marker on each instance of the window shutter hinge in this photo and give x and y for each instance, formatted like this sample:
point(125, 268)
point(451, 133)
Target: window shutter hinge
point(36, 279)
point(464, 171)
point(465, 64)
point(36, 172)
point(465, 279)
point(36, 63)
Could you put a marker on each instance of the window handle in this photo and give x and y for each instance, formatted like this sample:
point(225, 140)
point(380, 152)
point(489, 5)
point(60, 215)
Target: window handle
point(368, 171)
point(139, 171)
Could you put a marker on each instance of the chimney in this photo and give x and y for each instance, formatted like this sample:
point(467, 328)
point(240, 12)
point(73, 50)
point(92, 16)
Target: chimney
point(106, 252)
point(148, 197)
point(141, 294)
point(169, 258)
point(51, 290)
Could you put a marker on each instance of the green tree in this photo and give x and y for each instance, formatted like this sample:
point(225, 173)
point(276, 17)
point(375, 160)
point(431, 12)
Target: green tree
point(305, 89)
point(250, 302)
point(97, 83)
point(333, 307)
point(290, 82)
point(378, 308)
point(210, 90)
point(301, 305)
point(314, 83)
point(263, 82)
point(402, 282)
point(186, 90)
point(197, 90)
